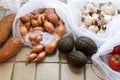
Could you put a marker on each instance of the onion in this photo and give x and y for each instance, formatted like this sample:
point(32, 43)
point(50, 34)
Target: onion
point(41, 19)
point(21, 23)
point(49, 27)
point(51, 47)
point(32, 37)
point(34, 23)
point(37, 28)
point(38, 39)
point(36, 16)
point(40, 56)
point(41, 10)
point(23, 31)
point(53, 18)
point(31, 57)
point(25, 18)
point(61, 30)
point(60, 22)
point(49, 10)
point(37, 49)
point(27, 24)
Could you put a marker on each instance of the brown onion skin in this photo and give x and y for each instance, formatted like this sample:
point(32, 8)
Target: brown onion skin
point(38, 39)
point(40, 56)
point(32, 36)
point(51, 47)
point(37, 48)
point(37, 28)
point(23, 31)
point(53, 18)
point(25, 18)
point(34, 23)
point(31, 57)
point(49, 27)
point(61, 30)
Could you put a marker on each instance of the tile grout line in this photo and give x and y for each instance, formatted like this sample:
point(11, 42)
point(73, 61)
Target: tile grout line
point(13, 69)
point(40, 62)
point(84, 72)
point(14, 62)
point(35, 71)
point(59, 66)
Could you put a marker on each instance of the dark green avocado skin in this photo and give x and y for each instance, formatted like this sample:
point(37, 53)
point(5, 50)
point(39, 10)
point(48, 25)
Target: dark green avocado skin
point(66, 44)
point(86, 45)
point(77, 59)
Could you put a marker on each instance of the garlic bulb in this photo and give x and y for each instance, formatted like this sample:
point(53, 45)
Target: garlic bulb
point(88, 20)
point(96, 5)
point(101, 22)
point(92, 6)
point(102, 13)
point(102, 29)
point(86, 12)
point(108, 9)
point(95, 15)
point(107, 18)
point(93, 28)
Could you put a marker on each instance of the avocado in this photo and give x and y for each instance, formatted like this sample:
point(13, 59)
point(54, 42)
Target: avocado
point(86, 45)
point(66, 44)
point(77, 59)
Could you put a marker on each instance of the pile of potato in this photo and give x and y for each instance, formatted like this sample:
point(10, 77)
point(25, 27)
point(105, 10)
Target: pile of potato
point(96, 16)
point(44, 20)
point(9, 46)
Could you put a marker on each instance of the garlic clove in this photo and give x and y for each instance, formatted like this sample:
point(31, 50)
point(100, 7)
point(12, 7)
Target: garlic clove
point(107, 18)
point(92, 6)
point(96, 4)
point(93, 28)
point(88, 20)
point(108, 9)
point(103, 27)
point(95, 15)
point(86, 12)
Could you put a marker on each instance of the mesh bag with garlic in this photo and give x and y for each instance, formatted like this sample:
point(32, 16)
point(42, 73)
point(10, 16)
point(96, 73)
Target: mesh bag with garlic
point(96, 19)
point(96, 16)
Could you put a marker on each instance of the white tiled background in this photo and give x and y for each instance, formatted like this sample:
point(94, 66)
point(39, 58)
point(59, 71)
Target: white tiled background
point(54, 67)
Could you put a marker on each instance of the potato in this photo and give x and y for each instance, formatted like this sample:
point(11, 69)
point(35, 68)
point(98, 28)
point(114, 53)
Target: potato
point(11, 47)
point(6, 27)
point(51, 47)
